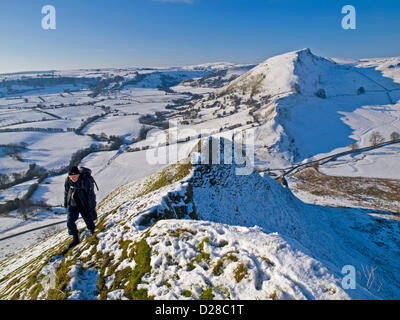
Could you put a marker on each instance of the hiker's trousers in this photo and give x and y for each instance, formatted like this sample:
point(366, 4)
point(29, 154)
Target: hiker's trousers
point(73, 215)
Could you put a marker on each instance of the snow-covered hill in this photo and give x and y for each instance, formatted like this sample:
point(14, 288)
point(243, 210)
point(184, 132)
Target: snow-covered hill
point(307, 105)
point(195, 231)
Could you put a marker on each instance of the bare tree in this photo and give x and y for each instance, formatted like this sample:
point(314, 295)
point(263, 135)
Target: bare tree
point(394, 136)
point(143, 132)
point(4, 179)
point(353, 146)
point(376, 138)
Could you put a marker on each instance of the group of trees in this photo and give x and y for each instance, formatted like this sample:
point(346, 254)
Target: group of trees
point(77, 156)
point(376, 139)
point(32, 129)
point(158, 120)
point(88, 121)
point(143, 133)
point(24, 204)
point(7, 181)
point(321, 93)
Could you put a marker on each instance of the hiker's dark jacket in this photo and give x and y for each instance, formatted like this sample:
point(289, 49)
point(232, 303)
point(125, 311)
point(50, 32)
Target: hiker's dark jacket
point(80, 194)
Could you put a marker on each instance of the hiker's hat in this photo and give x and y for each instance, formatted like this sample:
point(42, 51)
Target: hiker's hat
point(73, 171)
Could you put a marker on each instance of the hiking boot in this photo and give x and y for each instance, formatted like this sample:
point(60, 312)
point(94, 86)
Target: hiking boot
point(74, 242)
point(92, 232)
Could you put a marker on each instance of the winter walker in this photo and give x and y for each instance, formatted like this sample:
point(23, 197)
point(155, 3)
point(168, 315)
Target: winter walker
point(79, 198)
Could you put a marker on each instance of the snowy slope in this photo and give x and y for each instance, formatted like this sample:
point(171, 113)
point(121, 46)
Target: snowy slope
point(191, 232)
point(306, 105)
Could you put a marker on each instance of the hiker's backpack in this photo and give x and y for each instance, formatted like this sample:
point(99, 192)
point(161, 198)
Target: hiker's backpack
point(88, 173)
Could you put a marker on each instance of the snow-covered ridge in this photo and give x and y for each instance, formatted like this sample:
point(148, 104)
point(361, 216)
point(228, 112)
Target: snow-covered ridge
point(201, 231)
point(302, 71)
point(304, 105)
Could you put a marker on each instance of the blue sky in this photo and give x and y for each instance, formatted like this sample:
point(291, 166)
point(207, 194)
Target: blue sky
point(122, 33)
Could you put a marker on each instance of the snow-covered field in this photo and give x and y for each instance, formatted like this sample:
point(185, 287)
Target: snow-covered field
point(48, 150)
point(381, 163)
